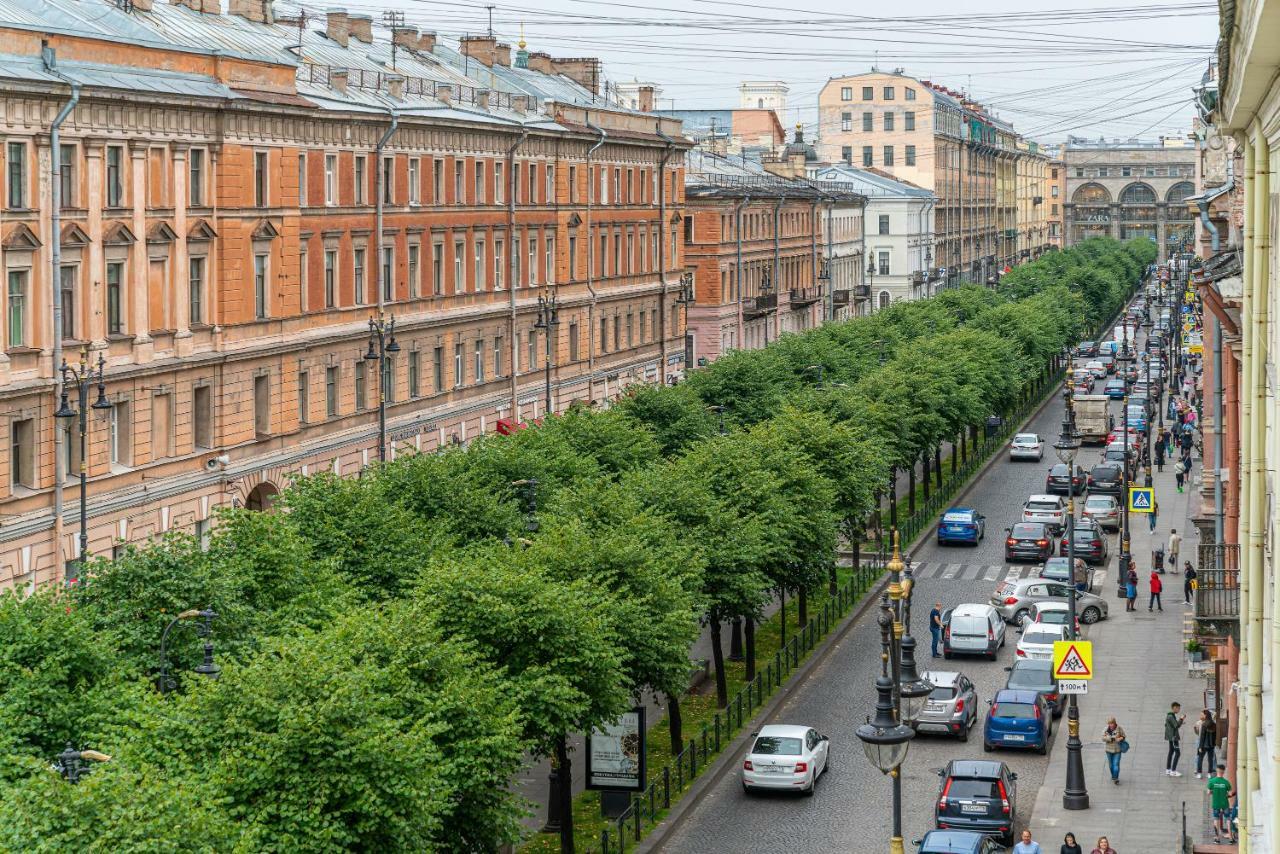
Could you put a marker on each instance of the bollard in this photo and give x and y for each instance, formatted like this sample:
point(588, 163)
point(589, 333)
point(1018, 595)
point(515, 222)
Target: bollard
point(717, 732)
point(604, 840)
point(666, 787)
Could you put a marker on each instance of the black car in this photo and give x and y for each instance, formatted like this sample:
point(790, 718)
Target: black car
point(1091, 542)
point(1059, 478)
point(1106, 479)
point(1028, 542)
point(1036, 674)
point(977, 794)
point(1087, 348)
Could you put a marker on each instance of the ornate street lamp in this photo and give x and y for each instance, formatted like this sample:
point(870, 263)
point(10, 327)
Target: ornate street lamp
point(83, 378)
point(548, 320)
point(686, 298)
point(886, 739)
point(204, 630)
point(70, 762)
point(871, 281)
point(382, 347)
point(766, 288)
point(1076, 794)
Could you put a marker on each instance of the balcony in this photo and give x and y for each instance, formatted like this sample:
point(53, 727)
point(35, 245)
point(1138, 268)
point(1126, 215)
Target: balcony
point(1037, 200)
point(862, 291)
point(1217, 594)
point(754, 307)
point(805, 296)
point(840, 297)
point(917, 278)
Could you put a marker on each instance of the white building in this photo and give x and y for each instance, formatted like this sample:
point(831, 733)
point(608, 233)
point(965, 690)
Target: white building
point(763, 95)
point(635, 95)
point(898, 235)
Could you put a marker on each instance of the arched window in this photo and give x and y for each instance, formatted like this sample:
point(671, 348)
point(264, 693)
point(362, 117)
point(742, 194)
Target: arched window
point(262, 497)
point(884, 299)
point(1178, 193)
point(1138, 194)
point(760, 103)
point(1091, 194)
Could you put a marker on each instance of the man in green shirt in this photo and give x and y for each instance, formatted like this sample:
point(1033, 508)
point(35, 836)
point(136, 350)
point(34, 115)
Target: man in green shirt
point(1220, 800)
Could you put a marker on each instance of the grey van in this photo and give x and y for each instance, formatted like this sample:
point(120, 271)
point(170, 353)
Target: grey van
point(972, 630)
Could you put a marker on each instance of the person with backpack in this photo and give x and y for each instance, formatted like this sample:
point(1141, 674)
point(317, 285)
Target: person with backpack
point(1188, 581)
point(1175, 543)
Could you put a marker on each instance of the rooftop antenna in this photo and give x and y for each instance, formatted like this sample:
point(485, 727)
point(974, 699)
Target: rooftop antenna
point(490, 8)
point(394, 19)
point(302, 28)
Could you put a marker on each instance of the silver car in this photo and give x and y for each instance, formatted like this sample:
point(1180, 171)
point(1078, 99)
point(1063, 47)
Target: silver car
point(1103, 509)
point(1026, 446)
point(1013, 600)
point(952, 707)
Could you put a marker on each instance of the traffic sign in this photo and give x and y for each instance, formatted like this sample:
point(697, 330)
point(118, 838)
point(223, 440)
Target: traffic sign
point(1142, 499)
point(1072, 659)
point(1073, 686)
point(1196, 349)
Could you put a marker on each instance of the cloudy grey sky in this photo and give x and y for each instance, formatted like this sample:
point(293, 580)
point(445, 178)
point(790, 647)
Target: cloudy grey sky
point(1089, 68)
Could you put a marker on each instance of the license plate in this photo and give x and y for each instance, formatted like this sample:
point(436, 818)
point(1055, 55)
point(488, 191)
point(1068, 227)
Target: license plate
point(979, 809)
point(772, 769)
point(1015, 738)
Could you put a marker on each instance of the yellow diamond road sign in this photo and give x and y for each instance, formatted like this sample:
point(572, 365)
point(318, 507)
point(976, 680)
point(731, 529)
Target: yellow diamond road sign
point(1142, 499)
point(1072, 659)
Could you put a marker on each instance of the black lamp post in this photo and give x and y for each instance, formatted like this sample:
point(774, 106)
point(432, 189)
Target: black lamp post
point(70, 762)
point(204, 630)
point(871, 282)
point(686, 298)
point(82, 378)
point(1076, 795)
point(548, 320)
point(824, 278)
point(766, 288)
point(382, 333)
point(1125, 358)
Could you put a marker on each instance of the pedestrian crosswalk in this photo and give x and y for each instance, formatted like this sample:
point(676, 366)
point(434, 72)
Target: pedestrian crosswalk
point(992, 573)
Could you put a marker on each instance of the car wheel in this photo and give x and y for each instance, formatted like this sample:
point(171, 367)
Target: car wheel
point(946, 656)
point(1020, 616)
point(964, 732)
point(991, 656)
point(808, 790)
point(1043, 749)
point(986, 746)
point(1091, 615)
point(746, 790)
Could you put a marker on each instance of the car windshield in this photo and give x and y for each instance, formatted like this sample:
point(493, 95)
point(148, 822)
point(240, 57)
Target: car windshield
point(1060, 470)
point(968, 788)
point(1098, 504)
point(772, 745)
point(1025, 439)
point(1028, 530)
point(1020, 711)
point(1042, 505)
point(942, 692)
point(1046, 636)
point(957, 517)
point(1054, 618)
point(1030, 677)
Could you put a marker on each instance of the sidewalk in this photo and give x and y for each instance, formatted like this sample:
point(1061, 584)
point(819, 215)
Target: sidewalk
point(1140, 668)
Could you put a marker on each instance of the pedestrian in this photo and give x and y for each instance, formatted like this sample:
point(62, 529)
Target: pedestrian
point(1220, 792)
point(1027, 846)
point(1070, 846)
point(1206, 740)
point(1157, 587)
point(1175, 543)
point(1180, 473)
point(1155, 511)
point(1160, 455)
point(935, 626)
point(1173, 721)
point(1104, 847)
point(1188, 581)
point(1131, 588)
point(1114, 744)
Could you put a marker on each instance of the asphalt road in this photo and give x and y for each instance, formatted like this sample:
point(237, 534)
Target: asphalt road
point(851, 809)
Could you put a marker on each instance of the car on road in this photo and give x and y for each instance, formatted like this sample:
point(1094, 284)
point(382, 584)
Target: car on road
point(1015, 598)
point(1098, 369)
point(1107, 478)
point(1103, 509)
point(957, 842)
point(1036, 674)
point(1052, 614)
point(1115, 453)
point(952, 706)
point(1137, 417)
point(1108, 360)
point(785, 757)
point(1114, 389)
point(1026, 446)
point(1055, 569)
point(1049, 509)
point(1061, 479)
point(978, 795)
point(1018, 718)
point(1037, 640)
point(1090, 542)
point(972, 630)
point(1028, 542)
point(1087, 349)
point(961, 525)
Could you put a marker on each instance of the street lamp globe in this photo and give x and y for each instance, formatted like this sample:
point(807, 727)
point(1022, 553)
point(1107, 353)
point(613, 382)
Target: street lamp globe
point(884, 740)
point(1068, 443)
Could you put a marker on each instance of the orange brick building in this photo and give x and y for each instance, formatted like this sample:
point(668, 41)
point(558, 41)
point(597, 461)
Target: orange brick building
point(240, 194)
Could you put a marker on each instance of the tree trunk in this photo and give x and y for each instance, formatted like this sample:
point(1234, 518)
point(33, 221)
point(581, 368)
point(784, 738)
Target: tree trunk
point(964, 444)
point(749, 632)
point(803, 608)
point(954, 461)
point(674, 725)
point(735, 639)
point(782, 616)
point(911, 490)
point(566, 795)
point(924, 473)
point(717, 659)
point(833, 581)
point(937, 464)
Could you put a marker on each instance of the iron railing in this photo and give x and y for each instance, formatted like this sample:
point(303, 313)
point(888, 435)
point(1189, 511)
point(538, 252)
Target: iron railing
point(1218, 582)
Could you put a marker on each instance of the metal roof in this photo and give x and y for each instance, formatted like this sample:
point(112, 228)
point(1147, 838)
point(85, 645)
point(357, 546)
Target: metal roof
point(871, 184)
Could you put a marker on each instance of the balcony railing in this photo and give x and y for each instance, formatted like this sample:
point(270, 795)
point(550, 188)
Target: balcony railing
point(1217, 594)
point(840, 297)
point(862, 291)
point(759, 306)
point(805, 296)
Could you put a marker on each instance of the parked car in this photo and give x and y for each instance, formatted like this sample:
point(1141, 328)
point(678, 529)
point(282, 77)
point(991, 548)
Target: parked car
point(1137, 416)
point(1037, 640)
point(1052, 614)
point(785, 757)
point(1028, 542)
point(1090, 542)
point(1103, 509)
point(1018, 718)
point(1026, 446)
point(1055, 569)
point(1116, 453)
point(1014, 599)
point(972, 630)
point(957, 842)
point(1098, 369)
point(1107, 478)
point(1030, 674)
point(978, 795)
point(1087, 349)
point(952, 706)
point(1059, 478)
point(1115, 389)
point(1108, 360)
point(962, 525)
point(1049, 509)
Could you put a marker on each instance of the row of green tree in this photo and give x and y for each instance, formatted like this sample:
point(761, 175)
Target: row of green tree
point(395, 645)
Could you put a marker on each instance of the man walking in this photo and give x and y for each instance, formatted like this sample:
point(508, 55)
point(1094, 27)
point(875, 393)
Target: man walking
point(935, 626)
point(1160, 454)
point(1179, 472)
point(1220, 800)
point(1188, 581)
point(1155, 511)
point(1173, 722)
point(1157, 586)
point(1026, 846)
point(1175, 543)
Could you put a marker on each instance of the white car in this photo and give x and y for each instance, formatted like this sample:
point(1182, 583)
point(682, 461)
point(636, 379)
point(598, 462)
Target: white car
point(1049, 509)
point(1098, 369)
point(785, 757)
point(1052, 614)
point(1026, 446)
point(1037, 640)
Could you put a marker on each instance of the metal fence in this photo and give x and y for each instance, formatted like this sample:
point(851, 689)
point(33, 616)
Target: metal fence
point(1218, 582)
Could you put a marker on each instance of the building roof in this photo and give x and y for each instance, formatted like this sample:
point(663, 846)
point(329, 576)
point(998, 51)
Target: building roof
point(708, 176)
point(872, 183)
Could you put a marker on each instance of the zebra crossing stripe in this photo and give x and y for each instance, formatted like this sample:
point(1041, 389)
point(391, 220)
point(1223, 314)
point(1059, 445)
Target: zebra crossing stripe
point(952, 569)
point(1013, 574)
point(993, 572)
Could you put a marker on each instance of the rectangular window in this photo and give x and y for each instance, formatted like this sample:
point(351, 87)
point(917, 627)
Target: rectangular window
point(260, 286)
point(115, 176)
point(1053, 191)
point(573, 256)
point(331, 391)
point(603, 344)
point(195, 289)
point(479, 361)
point(330, 277)
point(549, 256)
point(846, 93)
point(888, 121)
point(499, 191)
point(195, 177)
point(437, 268)
point(202, 416)
point(909, 120)
point(868, 122)
point(161, 427)
point(458, 376)
point(388, 180)
point(498, 259)
point(415, 179)
point(480, 195)
point(884, 264)
point(888, 155)
point(17, 157)
point(414, 251)
point(910, 155)
point(1055, 209)
point(67, 176)
point(630, 330)
point(909, 94)
point(302, 178)
point(459, 267)
point(17, 308)
point(388, 273)
point(415, 359)
point(573, 185)
point(517, 250)
point(357, 274)
point(260, 179)
point(360, 180)
point(617, 332)
point(533, 258)
point(868, 93)
point(846, 122)
point(261, 405)
point(331, 179)
point(115, 296)
point(67, 277)
point(531, 358)
point(120, 439)
point(866, 155)
point(437, 182)
point(22, 457)
point(497, 356)
point(884, 223)
point(437, 369)
point(573, 341)
point(888, 93)
point(359, 371)
point(479, 266)
point(304, 397)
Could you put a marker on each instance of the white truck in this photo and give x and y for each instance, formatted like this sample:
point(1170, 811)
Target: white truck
point(1092, 419)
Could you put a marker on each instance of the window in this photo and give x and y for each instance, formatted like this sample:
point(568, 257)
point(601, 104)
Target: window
point(888, 155)
point(458, 377)
point(533, 258)
point(331, 180)
point(120, 439)
point(630, 330)
point(908, 120)
point(67, 177)
point(498, 246)
point(617, 332)
point(437, 182)
point(866, 155)
point(415, 180)
point(361, 179)
point(1079, 172)
point(573, 256)
point(549, 176)
point(479, 361)
point(499, 193)
point(480, 195)
point(195, 290)
point(161, 426)
point(603, 345)
point(1053, 174)
point(1126, 172)
point(16, 306)
point(517, 251)
point(846, 122)
point(414, 251)
point(437, 369)
point(22, 457)
point(330, 273)
point(479, 269)
point(388, 180)
point(910, 155)
point(884, 263)
point(360, 383)
point(302, 178)
point(437, 268)
point(846, 93)
point(414, 369)
point(573, 341)
point(67, 276)
point(868, 122)
point(1054, 207)
point(261, 405)
point(531, 190)
point(115, 177)
point(888, 121)
point(884, 224)
point(1053, 191)
point(260, 179)
point(260, 286)
point(115, 310)
point(617, 186)
point(17, 157)
point(497, 356)
point(196, 178)
point(573, 185)
point(331, 391)
point(868, 93)
point(459, 266)
point(388, 273)
point(202, 416)
point(357, 274)
point(888, 93)
point(549, 256)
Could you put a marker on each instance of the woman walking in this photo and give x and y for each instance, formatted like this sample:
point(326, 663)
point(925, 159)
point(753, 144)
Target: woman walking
point(1188, 581)
point(1070, 846)
point(1104, 847)
point(1131, 588)
point(1207, 742)
point(1115, 744)
point(1179, 473)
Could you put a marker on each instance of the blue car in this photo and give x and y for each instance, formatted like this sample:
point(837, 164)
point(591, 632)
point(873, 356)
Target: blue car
point(962, 525)
point(1115, 389)
point(1018, 718)
point(1136, 417)
point(957, 842)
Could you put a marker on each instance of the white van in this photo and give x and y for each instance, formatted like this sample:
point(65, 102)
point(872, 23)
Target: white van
point(972, 630)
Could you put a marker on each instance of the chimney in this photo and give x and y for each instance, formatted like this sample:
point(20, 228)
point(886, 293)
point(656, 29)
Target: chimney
point(585, 71)
point(395, 87)
point(480, 98)
point(519, 104)
point(362, 28)
point(483, 49)
point(444, 93)
point(143, 6)
point(338, 79)
point(426, 42)
point(646, 99)
point(405, 37)
point(502, 52)
point(540, 62)
point(337, 26)
point(258, 11)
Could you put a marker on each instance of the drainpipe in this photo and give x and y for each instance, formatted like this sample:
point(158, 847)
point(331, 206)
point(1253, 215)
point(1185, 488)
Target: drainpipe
point(814, 229)
point(511, 272)
point(1204, 203)
point(737, 272)
point(55, 279)
point(1250, 652)
point(591, 266)
point(1217, 424)
point(830, 301)
point(777, 262)
point(378, 191)
point(662, 253)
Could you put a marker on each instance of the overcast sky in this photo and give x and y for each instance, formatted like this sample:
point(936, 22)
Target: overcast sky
point(1089, 68)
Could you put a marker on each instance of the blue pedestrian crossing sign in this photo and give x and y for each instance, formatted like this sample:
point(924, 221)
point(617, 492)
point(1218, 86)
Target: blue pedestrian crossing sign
point(1142, 499)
